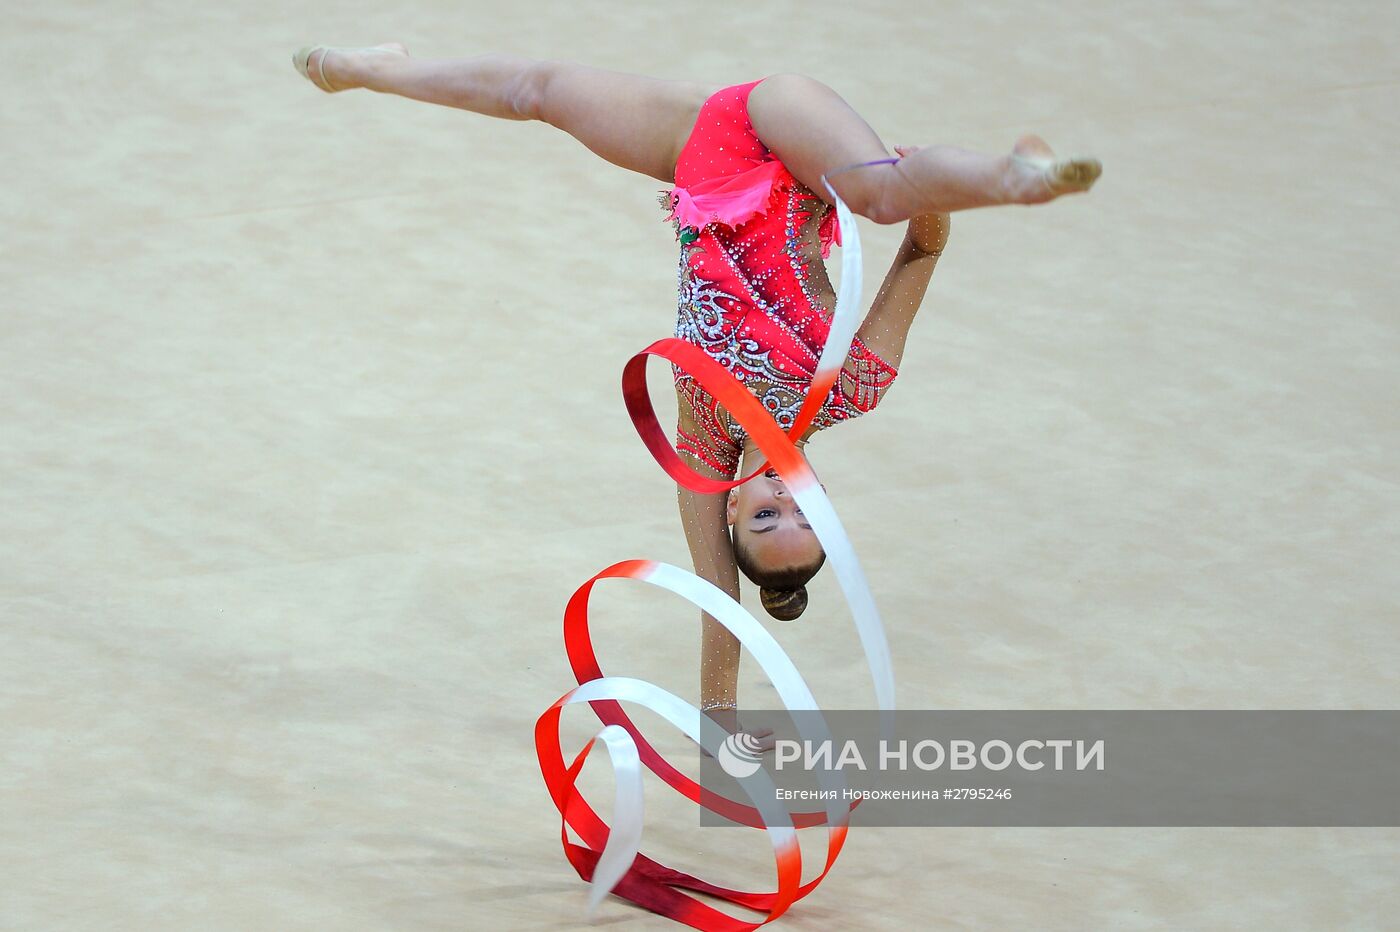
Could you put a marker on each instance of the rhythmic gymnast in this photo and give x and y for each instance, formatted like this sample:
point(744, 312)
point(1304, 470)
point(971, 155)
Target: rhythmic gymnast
point(745, 165)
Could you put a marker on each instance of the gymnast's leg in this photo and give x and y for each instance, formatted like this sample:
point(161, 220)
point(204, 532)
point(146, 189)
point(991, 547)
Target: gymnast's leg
point(641, 124)
point(813, 131)
point(636, 122)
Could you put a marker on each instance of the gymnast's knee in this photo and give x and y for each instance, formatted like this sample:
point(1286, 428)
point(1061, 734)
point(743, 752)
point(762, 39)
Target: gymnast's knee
point(790, 84)
point(867, 194)
point(527, 94)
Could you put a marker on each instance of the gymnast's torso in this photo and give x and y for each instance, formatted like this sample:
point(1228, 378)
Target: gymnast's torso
point(753, 291)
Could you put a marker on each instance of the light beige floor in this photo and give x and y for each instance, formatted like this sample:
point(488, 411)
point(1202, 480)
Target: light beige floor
point(310, 425)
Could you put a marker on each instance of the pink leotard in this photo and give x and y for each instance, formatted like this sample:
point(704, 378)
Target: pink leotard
point(753, 290)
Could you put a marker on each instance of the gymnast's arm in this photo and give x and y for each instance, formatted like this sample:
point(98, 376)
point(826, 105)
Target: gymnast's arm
point(712, 554)
point(896, 304)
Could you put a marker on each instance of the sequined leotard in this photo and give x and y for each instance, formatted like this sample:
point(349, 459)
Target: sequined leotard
point(753, 291)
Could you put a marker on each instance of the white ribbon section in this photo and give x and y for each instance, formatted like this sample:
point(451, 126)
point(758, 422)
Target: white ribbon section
point(843, 326)
point(842, 557)
point(625, 830)
point(699, 728)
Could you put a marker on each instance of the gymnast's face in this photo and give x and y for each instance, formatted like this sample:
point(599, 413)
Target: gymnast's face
point(769, 524)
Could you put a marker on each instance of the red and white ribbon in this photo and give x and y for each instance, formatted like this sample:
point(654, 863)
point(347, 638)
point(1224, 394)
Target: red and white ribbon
point(610, 857)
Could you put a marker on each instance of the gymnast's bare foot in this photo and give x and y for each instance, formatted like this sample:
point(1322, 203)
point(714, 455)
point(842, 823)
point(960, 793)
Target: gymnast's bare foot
point(340, 69)
point(1034, 177)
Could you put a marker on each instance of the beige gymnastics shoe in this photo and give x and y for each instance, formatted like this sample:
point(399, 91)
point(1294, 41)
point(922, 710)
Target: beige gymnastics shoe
point(1036, 159)
point(302, 61)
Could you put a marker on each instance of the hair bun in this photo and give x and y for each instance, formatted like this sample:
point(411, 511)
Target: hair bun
point(784, 604)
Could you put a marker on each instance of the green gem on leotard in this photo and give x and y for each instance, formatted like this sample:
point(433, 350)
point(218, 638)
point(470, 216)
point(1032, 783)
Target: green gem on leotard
point(689, 235)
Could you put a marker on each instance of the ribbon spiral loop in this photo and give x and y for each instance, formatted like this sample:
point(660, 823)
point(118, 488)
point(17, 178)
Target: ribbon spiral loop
point(609, 857)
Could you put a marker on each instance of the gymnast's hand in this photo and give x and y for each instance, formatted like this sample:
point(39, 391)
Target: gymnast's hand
point(728, 719)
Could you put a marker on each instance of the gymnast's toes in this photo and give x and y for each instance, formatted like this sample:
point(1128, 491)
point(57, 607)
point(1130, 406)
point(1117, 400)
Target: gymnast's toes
point(1035, 176)
point(340, 69)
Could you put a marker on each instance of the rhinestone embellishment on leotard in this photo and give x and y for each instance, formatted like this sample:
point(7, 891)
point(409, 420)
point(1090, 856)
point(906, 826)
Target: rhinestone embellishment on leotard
point(778, 299)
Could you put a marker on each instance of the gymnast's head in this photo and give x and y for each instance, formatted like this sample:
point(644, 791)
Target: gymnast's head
point(773, 544)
